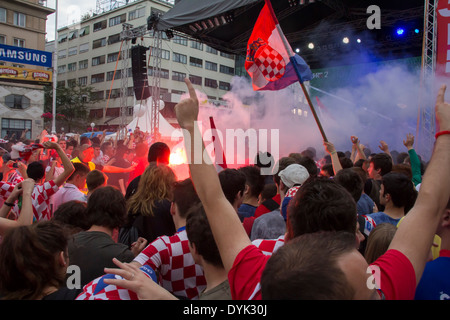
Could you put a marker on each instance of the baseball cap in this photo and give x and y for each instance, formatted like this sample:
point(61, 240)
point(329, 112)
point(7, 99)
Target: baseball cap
point(294, 174)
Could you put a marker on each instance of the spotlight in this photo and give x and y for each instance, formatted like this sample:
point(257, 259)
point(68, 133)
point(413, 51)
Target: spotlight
point(400, 31)
point(297, 50)
point(345, 40)
point(416, 30)
point(311, 45)
point(358, 40)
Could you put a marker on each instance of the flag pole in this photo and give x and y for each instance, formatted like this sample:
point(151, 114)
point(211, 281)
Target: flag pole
point(297, 72)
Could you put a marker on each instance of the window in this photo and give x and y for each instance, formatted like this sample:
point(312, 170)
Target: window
point(2, 39)
point(163, 54)
point(19, 19)
point(180, 92)
point(96, 78)
point(226, 55)
point(210, 83)
point(164, 73)
point(10, 126)
point(99, 25)
point(115, 93)
point(114, 38)
point(72, 51)
point(224, 86)
point(196, 62)
point(197, 45)
point(83, 64)
point(195, 79)
point(71, 83)
point(180, 40)
point(211, 50)
point(137, 13)
point(62, 38)
point(62, 69)
point(84, 31)
point(210, 66)
point(17, 101)
point(82, 81)
point(178, 76)
point(99, 43)
point(62, 53)
point(117, 20)
point(84, 47)
point(73, 34)
point(226, 70)
point(61, 83)
point(97, 95)
point(98, 60)
point(110, 75)
point(2, 15)
point(178, 57)
point(19, 42)
point(112, 57)
point(72, 66)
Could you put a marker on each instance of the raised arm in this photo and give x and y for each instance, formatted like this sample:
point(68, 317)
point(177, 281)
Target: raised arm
point(24, 188)
point(358, 148)
point(413, 159)
point(415, 234)
point(66, 163)
point(329, 147)
point(227, 229)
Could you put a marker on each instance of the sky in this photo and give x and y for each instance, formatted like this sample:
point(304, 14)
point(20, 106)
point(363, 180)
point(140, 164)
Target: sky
point(69, 12)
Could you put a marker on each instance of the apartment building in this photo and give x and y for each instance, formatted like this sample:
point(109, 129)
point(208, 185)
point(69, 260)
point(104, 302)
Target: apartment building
point(88, 54)
point(22, 24)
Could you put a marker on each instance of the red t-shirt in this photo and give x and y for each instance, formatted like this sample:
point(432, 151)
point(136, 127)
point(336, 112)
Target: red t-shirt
point(245, 275)
point(397, 276)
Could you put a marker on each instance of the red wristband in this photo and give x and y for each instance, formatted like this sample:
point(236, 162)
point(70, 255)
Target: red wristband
point(440, 133)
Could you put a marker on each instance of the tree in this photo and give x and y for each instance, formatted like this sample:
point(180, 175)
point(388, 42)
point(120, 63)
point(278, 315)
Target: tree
point(71, 102)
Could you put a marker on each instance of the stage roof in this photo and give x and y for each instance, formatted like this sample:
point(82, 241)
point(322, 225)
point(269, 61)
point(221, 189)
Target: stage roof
point(322, 22)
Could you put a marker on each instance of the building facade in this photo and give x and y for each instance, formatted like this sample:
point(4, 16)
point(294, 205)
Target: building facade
point(90, 53)
point(22, 24)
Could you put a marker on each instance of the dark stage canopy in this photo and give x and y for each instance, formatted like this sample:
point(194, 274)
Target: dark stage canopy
point(226, 25)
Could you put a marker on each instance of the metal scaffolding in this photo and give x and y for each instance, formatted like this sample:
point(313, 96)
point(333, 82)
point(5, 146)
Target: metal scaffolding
point(426, 117)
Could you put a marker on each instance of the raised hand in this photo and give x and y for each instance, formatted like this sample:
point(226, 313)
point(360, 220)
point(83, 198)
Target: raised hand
point(187, 109)
point(442, 110)
point(409, 142)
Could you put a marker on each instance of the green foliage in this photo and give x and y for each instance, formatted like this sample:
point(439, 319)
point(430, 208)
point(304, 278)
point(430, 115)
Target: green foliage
point(72, 102)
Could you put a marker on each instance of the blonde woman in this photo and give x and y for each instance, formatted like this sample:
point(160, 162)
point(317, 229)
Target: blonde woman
point(149, 214)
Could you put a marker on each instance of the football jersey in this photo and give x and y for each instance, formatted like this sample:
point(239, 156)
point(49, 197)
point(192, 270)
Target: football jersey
point(97, 289)
point(179, 274)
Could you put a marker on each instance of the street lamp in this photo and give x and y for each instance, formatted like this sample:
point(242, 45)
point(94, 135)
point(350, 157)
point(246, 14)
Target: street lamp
point(55, 69)
point(92, 126)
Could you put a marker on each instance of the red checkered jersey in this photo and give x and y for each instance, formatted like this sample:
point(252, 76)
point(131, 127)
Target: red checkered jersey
point(15, 178)
point(40, 198)
point(269, 246)
point(97, 289)
point(179, 274)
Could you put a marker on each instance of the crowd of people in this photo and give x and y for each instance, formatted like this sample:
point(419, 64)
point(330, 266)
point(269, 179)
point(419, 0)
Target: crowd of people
point(85, 218)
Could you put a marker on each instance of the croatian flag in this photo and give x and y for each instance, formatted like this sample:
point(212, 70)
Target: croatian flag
point(270, 58)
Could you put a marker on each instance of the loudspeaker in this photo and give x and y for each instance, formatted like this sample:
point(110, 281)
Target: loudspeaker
point(139, 72)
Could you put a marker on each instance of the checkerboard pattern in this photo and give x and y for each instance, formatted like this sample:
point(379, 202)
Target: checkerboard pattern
point(269, 246)
point(97, 289)
point(271, 63)
point(179, 274)
point(40, 198)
